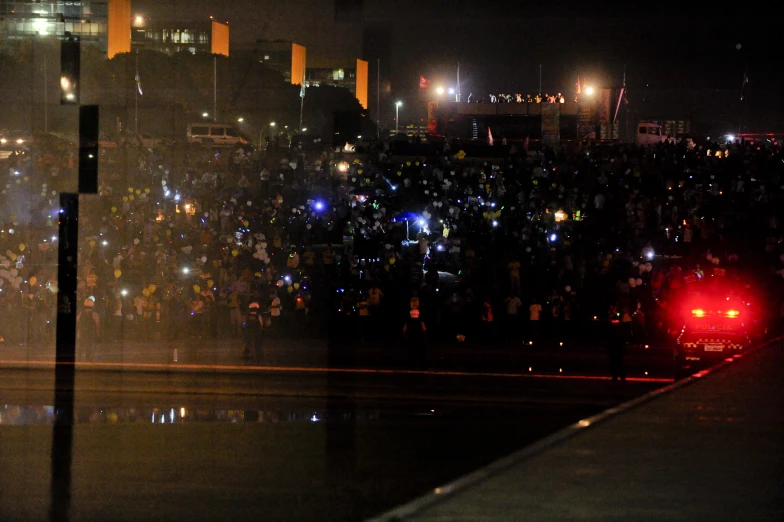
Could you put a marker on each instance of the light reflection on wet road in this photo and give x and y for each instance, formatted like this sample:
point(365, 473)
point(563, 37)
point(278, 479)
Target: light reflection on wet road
point(274, 446)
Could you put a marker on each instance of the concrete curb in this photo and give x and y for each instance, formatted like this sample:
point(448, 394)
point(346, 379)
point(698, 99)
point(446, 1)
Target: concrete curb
point(442, 493)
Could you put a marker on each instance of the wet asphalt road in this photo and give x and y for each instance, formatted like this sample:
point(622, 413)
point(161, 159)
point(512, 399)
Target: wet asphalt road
point(277, 444)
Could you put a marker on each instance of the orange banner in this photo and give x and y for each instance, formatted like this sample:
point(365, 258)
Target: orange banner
point(298, 61)
point(220, 38)
point(119, 28)
point(361, 89)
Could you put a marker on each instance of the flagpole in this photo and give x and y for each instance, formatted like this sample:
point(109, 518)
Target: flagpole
point(302, 96)
point(46, 107)
point(136, 98)
point(457, 96)
point(540, 79)
point(378, 98)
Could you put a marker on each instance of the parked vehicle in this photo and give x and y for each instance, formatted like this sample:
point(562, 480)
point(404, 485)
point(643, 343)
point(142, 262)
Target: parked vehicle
point(220, 134)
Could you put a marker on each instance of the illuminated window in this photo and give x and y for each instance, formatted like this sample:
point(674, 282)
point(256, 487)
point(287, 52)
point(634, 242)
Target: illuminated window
point(338, 74)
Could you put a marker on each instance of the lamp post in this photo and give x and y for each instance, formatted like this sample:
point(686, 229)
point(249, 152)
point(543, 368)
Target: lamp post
point(397, 115)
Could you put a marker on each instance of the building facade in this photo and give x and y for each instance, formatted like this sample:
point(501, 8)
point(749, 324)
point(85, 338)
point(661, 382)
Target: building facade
point(22, 20)
point(171, 37)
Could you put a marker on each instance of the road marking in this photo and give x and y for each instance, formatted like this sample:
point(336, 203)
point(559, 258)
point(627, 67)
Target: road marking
point(304, 369)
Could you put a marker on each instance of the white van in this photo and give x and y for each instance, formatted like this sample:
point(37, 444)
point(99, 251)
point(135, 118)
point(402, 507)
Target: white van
point(649, 133)
point(221, 134)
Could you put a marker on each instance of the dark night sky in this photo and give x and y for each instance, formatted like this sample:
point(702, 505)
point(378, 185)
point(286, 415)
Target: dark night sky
point(500, 45)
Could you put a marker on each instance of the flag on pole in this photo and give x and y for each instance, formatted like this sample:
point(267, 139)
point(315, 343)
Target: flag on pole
point(579, 91)
point(743, 86)
point(423, 82)
point(139, 84)
point(490, 136)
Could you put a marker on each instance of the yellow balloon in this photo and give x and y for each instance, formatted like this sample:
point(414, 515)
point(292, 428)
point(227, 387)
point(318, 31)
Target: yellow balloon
point(246, 223)
point(152, 288)
point(130, 198)
point(92, 243)
point(146, 293)
point(146, 191)
point(21, 247)
point(392, 261)
point(12, 256)
point(296, 286)
point(125, 199)
point(33, 281)
point(289, 289)
point(138, 192)
point(210, 283)
point(196, 288)
point(117, 273)
point(257, 274)
point(114, 210)
point(359, 171)
point(130, 190)
point(235, 252)
point(168, 232)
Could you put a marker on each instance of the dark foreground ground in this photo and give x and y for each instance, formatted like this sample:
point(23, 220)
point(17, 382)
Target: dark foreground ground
point(211, 444)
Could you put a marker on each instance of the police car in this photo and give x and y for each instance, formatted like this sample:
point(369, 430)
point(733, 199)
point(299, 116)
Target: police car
point(716, 321)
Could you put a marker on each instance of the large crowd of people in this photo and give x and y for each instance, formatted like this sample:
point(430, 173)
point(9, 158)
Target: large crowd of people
point(527, 246)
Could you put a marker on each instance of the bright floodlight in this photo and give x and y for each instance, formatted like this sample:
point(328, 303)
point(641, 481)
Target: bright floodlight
point(319, 205)
point(304, 129)
point(139, 20)
point(440, 91)
point(240, 120)
point(65, 83)
point(204, 114)
point(272, 124)
point(553, 237)
point(730, 138)
point(399, 103)
point(451, 90)
point(589, 91)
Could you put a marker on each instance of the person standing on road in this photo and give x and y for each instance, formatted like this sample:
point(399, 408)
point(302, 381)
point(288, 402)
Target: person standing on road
point(415, 333)
point(253, 328)
point(534, 312)
point(616, 347)
point(511, 324)
point(274, 311)
point(89, 324)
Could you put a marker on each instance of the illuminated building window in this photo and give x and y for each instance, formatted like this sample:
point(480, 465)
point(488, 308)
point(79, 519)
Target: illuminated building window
point(338, 74)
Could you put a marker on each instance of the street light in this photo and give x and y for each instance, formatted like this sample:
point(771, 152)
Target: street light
point(439, 91)
point(205, 115)
point(589, 91)
point(240, 120)
point(451, 91)
point(398, 104)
